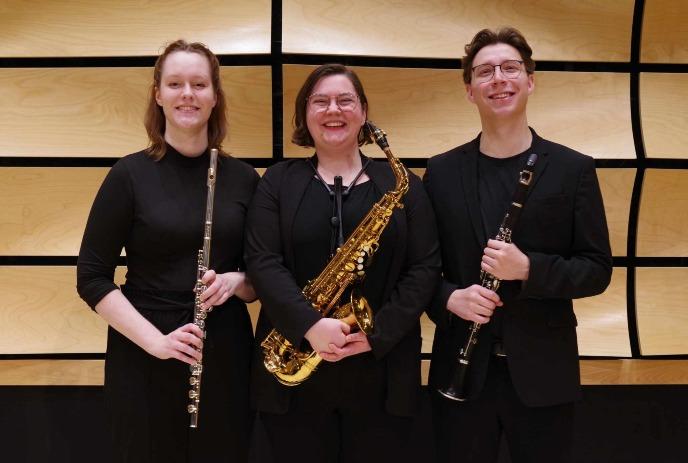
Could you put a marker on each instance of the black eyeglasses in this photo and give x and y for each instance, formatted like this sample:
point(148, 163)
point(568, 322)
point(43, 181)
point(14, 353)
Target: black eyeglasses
point(511, 69)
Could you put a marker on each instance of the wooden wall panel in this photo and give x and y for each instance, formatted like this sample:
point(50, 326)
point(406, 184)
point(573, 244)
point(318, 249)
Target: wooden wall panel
point(603, 321)
point(665, 123)
point(662, 220)
point(661, 295)
point(593, 372)
point(425, 111)
point(37, 28)
point(45, 208)
point(98, 112)
point(633, 372)
point(557, 30)
point(665, 28)
point(589, 112)
point(51, 372)
point(617, 186)
point(41, 312)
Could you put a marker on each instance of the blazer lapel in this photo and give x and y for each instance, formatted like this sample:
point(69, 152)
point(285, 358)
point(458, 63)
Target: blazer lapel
point(538, 148)
point(292, 190)
point(468, 165)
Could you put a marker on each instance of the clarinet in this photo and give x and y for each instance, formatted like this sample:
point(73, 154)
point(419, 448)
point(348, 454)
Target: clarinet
point(200, 313)
point(456, 388)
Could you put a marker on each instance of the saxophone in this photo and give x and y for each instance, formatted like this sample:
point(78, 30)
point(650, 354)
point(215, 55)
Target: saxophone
point(291, 366)
point(200, 313)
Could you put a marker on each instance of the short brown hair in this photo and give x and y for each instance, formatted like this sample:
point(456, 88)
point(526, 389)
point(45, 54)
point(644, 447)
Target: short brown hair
point(155, 118)
point(508, 35)
point(301, 136)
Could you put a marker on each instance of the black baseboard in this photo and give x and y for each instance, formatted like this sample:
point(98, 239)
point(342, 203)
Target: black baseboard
point(614, 424)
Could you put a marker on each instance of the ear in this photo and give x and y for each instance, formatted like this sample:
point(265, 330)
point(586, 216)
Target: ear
point(531, 83)
point(157, 96)
point(469, 93)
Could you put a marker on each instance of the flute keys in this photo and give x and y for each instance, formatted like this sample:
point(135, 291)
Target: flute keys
point(193, 393)
point(192, 408)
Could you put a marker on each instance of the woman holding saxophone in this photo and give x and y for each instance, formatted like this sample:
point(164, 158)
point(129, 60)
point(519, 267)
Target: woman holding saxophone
point(359, 402)
point(153, 204)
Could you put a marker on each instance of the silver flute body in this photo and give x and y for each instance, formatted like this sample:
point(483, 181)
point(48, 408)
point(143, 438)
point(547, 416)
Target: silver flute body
point(201, 313)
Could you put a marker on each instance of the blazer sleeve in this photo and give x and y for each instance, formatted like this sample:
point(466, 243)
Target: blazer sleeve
point(106, 232)
point(281, 298)
point(587, 270)
point(418, 277)
point(437, 309)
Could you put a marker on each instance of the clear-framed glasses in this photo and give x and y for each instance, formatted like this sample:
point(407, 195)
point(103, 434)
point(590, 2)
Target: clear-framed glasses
point(511, 69)
point(345, 101)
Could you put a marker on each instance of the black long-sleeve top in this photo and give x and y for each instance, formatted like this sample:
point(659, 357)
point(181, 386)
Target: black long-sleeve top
point(155, 210)
point(408, 276)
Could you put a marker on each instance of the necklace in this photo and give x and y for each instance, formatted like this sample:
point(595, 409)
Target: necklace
point(366, 161)
point(338, 195)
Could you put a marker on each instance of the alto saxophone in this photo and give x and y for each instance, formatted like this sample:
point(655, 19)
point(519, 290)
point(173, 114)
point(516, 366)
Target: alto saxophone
point(200, 313)
point(291, 366)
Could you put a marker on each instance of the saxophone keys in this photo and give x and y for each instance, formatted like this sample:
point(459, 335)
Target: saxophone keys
point(349, 267)
point(359, 267)
point(360, 260)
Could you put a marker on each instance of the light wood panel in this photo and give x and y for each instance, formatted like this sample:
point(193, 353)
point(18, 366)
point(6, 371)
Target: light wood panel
point(664, 122)
point(665, 28)
point(98, 112)
point(425, 112)
point(131, 28)
point(42, 313)
point(589, 112)
point(662, 310)
point(633, 372)
point(617, 186)
point(556, 30)
point(662, 220)
point(44, 209)
point(427, 328)
point(51, 372)
point(593, 372)
point(603, 321)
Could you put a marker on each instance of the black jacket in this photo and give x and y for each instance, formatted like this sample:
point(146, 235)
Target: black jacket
point(410, 284)
point(563, 231)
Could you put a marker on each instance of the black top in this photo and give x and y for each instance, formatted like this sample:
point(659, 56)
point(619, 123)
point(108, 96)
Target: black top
point(313, 232)
point(288, 219)
point(155, 210)
point(497, 180)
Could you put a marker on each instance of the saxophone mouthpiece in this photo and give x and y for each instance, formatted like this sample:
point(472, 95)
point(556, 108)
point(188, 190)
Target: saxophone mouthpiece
point(378, 135)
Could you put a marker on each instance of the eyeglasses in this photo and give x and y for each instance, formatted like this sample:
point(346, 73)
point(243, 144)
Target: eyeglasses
point(344, 101)
point(511, 69)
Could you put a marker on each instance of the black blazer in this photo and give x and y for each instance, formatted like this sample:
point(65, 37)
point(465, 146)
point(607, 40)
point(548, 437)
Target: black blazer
point(563, 231)
point(410, 284)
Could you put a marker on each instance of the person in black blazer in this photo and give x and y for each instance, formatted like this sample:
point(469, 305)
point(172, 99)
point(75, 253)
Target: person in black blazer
point(524, 373)
point(358, 405)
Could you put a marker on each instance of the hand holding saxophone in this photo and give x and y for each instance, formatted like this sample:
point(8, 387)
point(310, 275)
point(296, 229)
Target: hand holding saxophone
point(356, 343)
point(327, 332)
point(475, 303)
point(505, 261)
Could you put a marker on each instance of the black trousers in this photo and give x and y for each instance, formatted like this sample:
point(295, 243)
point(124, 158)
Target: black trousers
point(470, 432)
point(338, 415)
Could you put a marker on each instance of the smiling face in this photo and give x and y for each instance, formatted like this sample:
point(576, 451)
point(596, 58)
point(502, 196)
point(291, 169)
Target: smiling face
point(500, 97)
point(332, 127)
point(186, 94)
